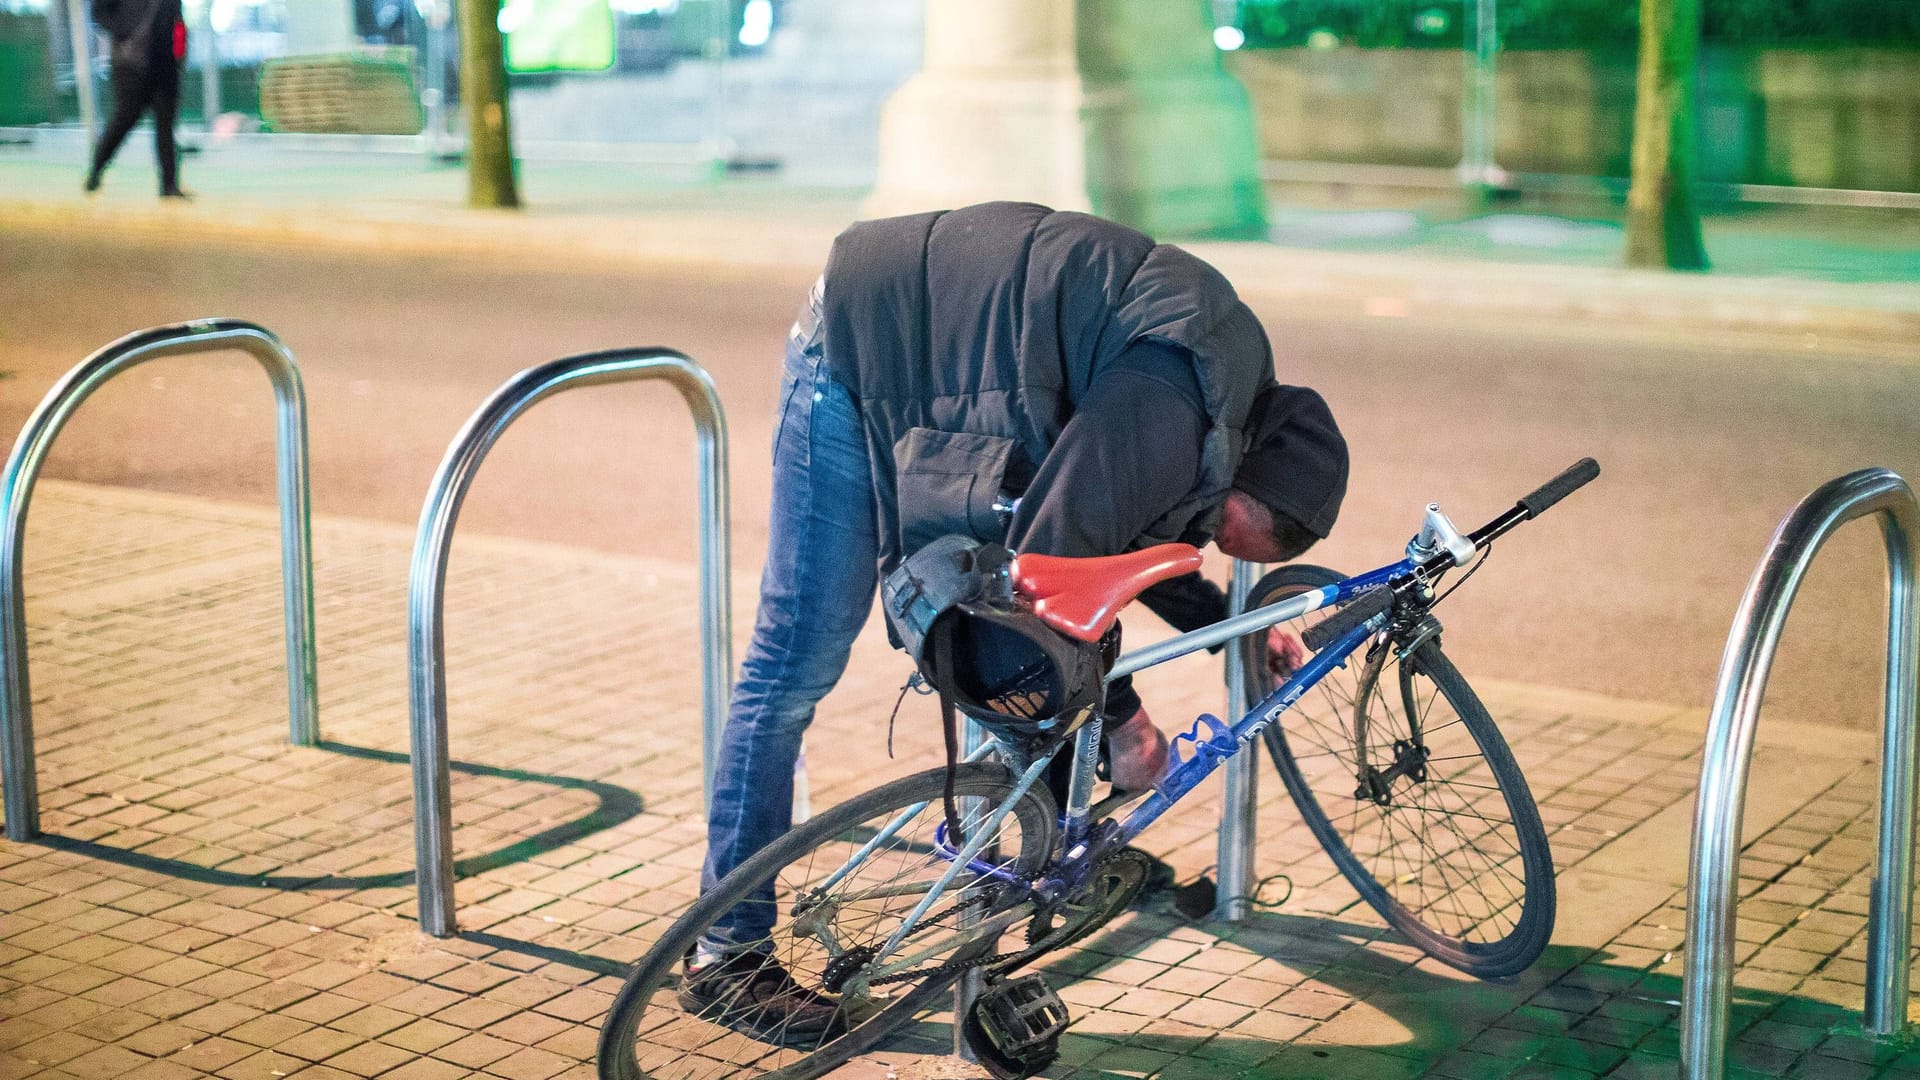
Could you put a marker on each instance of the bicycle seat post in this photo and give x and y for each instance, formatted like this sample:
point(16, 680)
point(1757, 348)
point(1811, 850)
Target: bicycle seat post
point(1086, 757)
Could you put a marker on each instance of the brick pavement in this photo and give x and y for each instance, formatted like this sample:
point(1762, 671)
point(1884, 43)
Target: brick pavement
point(209, 901)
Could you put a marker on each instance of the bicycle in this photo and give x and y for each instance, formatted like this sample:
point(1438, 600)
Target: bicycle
point(876, 908)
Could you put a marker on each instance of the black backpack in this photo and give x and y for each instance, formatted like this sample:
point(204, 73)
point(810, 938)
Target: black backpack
point(986, 653)
point(953, 607)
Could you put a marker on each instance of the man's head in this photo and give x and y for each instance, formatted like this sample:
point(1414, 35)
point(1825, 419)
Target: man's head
point(1287, 491)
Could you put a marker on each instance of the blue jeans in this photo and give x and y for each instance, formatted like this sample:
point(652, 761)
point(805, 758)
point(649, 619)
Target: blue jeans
point(815, 594)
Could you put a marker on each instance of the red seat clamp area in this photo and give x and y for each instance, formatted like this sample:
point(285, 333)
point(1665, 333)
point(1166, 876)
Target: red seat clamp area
point(1082, 597)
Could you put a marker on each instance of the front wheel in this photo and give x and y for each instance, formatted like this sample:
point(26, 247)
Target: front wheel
point(1404, 779)
point(810, 912)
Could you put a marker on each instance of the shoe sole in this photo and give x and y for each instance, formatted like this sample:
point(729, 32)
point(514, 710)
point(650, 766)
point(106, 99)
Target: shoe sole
point(785, 1036)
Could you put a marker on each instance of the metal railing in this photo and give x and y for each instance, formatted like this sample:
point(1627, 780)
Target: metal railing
point(16, 491)
point(1714, 867)
point(426, 641)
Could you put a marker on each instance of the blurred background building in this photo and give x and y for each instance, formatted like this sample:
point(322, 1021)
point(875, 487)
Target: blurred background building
point(1100, 103)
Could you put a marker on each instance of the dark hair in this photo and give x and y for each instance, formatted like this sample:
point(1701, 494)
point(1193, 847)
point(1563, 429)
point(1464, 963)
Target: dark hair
point(1294, 538)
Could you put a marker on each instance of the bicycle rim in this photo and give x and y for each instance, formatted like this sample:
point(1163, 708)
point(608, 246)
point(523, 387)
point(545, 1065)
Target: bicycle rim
point(648, 1034)
point(1438, 833)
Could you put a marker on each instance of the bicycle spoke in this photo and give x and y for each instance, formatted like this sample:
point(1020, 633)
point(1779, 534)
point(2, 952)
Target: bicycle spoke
point(840, 899)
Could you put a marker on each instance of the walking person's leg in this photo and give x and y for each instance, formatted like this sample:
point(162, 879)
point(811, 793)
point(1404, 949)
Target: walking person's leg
point(129, 82)
point(165, 94)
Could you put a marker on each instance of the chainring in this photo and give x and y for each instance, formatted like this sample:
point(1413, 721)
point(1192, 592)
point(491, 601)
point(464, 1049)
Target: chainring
point(1110, 889)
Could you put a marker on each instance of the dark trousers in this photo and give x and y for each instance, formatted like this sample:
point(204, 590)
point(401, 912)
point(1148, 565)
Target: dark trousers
point(143, 83)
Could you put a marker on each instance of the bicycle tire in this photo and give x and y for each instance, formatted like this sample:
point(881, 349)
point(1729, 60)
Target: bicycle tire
point(621, 1046)
point(1425, 898)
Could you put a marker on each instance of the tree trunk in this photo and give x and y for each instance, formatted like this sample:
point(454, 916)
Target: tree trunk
point(483, 97)
point(1663, 216)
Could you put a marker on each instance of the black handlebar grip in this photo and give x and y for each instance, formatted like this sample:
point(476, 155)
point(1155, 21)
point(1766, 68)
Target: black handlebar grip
point(1356, 611)
point(1576, 477)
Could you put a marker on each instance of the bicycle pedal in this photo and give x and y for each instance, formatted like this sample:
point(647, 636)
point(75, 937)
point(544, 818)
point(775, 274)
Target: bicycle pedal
point(1014, 1026)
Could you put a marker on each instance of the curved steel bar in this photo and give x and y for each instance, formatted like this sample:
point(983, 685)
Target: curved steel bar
point(426, 585)
point(1241, 796)
point(1728, 753)
point(16, 491)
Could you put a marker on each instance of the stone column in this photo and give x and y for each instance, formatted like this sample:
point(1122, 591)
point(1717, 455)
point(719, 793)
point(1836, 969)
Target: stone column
point(993, 113)
point(1121, 107)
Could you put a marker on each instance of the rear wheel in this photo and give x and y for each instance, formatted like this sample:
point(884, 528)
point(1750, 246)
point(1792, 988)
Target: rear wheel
point(834, 890)
point(1410, 787)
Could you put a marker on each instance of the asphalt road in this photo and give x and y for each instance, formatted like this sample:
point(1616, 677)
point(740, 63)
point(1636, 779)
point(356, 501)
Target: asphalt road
point(1626, 589)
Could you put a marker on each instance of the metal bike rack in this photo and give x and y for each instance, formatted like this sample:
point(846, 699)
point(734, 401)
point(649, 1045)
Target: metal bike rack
point(16, 491)
point(1240, 800)
point(427, 578)
point(1713, 878)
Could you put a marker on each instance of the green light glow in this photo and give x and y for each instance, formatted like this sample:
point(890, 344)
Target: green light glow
point(558, 35)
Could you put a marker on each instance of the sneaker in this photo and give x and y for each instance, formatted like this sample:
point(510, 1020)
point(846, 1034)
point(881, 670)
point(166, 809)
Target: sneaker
point(751, 993)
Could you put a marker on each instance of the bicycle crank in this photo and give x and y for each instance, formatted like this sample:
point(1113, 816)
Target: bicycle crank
point(1111, 889)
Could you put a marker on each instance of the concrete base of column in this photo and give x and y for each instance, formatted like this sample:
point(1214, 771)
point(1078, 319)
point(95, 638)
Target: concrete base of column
point(955, 138)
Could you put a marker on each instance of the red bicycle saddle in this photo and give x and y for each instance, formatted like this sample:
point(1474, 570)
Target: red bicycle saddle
point(1081, 597)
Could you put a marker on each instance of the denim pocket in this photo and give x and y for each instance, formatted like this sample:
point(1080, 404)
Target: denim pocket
point(948, 482)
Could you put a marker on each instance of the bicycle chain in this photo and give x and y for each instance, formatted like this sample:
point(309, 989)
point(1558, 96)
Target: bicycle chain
point(1033, 936)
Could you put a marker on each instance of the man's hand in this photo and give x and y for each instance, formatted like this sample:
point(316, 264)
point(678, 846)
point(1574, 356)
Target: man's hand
point(1285, 652)
point(1136, 753)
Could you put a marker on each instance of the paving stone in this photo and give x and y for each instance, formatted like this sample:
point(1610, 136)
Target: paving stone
point(424, 1036)
point(475, 1051)
point(162, 1070)
point(210, 1054)
point(57, 1048)
point(427, 1069)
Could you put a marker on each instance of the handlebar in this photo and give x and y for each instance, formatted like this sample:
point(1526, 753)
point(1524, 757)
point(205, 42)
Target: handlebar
point(1575, 477)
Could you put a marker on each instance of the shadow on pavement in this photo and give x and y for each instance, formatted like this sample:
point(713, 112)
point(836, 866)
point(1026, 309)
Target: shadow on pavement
point(616, 805)
point(1572, 1014)
point(572, 958)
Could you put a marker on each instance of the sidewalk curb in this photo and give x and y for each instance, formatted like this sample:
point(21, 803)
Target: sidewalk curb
point(1403, 285)
point(1395, 285)
point(707, 242)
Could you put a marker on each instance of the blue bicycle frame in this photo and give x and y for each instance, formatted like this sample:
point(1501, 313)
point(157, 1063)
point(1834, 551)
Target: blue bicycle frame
point(1208, 751)
point(1437, 548)
point(1221, 741)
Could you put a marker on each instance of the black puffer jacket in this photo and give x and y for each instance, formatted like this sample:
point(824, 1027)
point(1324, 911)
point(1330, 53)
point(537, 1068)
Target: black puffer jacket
point(970, 335)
